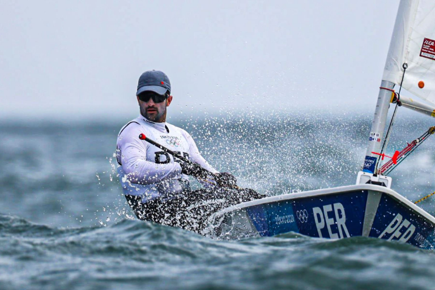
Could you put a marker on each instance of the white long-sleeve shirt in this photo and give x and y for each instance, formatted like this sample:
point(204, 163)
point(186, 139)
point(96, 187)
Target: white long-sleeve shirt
point(146, 170)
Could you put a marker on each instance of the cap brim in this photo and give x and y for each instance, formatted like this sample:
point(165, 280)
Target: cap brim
point(157, 89)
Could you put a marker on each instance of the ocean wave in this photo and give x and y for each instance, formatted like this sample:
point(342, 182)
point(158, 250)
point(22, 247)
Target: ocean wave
point(65, 224)
point(132, 254)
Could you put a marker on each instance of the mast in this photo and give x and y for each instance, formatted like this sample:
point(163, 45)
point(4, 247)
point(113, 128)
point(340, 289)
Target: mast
point(413, 44)
point(376, 136)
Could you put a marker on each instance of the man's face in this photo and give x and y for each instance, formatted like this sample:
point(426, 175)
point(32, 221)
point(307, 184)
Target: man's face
point(154, 111)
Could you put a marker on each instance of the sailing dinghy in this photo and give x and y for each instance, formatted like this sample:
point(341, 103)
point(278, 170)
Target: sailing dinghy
point(370, 208)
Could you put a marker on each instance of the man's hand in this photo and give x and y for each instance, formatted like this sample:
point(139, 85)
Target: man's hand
point(225, 179)
point(190, 168)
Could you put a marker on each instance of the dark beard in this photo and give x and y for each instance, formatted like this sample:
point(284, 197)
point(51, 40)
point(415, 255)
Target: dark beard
point(157, 117)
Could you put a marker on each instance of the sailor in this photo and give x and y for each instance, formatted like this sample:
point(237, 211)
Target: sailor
point(155, 183)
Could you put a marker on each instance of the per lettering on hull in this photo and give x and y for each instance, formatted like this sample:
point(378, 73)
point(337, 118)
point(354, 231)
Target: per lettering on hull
point(329, 215)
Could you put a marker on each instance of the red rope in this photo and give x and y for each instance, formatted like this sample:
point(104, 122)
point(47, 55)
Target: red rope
point(396, 95)
point(391, 90)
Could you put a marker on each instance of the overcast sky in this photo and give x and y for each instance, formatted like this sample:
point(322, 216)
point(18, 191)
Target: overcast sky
point(83, 58)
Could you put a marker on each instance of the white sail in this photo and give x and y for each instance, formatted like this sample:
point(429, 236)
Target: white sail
point(413, 43)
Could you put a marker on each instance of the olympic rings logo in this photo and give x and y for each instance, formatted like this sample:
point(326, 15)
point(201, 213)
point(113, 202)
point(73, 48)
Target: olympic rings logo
point(302, 215)
point(173, 141)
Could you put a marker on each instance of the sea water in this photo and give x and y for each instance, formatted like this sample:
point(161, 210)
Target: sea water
point(64, 223)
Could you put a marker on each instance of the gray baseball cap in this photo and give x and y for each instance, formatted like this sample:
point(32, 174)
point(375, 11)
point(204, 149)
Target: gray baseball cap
point(153, 80)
